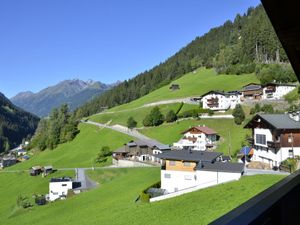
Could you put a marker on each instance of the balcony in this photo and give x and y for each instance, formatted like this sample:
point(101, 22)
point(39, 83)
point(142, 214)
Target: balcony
point(273, 144)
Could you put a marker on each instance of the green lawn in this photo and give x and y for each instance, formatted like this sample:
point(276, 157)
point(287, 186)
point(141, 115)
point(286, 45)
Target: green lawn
point(15, 184)
point(169, 133)
point(113, 202)
point(80, 152)
point(138, 114)
point(193, 84)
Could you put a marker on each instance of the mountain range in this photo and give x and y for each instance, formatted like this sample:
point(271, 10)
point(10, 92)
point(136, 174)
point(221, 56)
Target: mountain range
point(72, 92)
point(15, 124)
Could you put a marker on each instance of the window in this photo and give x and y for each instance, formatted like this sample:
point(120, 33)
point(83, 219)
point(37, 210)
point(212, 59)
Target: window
point(64, 185)
point(172, 163)
point(260, 139)
point(291, 153)
point(186, 164)
point(167, 175)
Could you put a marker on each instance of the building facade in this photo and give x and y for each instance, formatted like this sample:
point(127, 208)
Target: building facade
point(188, 169)
point(274, 91)
point(275, 137)
point(220, 101)
point(197, 138)
point(59, 187)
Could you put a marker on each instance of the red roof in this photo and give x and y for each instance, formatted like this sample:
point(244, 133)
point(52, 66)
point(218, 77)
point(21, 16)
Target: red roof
point(205, 130)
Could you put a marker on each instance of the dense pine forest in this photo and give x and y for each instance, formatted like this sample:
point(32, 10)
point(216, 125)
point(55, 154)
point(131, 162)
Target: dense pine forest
point(15, 124)
point(246, 45)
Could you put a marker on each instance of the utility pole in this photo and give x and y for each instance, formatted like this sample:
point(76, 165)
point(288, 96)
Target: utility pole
point(229, 144)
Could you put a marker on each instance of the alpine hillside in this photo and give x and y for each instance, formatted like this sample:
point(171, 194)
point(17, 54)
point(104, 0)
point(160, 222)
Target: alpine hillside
point(72, 92)
point(15, 124)
point(247, 44)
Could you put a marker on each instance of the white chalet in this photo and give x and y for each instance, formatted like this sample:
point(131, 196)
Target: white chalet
point(59, 187)
point(186, 169)
point(197, 138)
point(276, 137)
point(276, 90)
point(220, 101)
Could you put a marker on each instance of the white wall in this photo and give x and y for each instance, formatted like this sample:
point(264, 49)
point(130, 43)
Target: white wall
point(281, 90)
point(59, 189)
point(262, 131)
point(180, 180)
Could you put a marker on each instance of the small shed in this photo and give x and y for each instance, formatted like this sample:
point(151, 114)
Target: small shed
point(35, 170)
point(174, 87)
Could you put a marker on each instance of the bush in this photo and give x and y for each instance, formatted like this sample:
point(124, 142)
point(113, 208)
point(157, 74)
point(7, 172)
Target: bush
point(131, 123)
point(238, 114)
point(268, 108)
point(290, 163)
point(144, 196)
point(23, 201)
point(155, 118)
point(193, 113)
point(171, 116)
point(103, 154)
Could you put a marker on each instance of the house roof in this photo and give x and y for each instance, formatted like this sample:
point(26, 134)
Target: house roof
point(278, 121)
point(202, 129)
point(280, 84)
point(121, 150)
point(221, 167)
point(61, 179)
point(251, 87)
point(189, 155)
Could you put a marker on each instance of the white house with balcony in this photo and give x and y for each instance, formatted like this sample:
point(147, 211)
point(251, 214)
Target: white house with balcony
point(197, 138)
point(221, 101)
point(59, 187)
point(188, 169)
point(275, 137)
point(275, 91)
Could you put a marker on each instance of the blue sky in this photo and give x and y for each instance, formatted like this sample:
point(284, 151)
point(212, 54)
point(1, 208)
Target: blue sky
point(44, 42)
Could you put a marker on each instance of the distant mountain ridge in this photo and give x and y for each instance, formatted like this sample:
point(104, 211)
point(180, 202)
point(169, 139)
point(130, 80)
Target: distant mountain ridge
point(74, 92)
point(15, 124)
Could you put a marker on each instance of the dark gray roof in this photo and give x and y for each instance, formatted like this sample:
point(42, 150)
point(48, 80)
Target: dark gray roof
point(61, 179)
point(189, 155)
point(221, 167)
point(131, 144)
point(251, 87)
point(280, 121)
point(121, 150)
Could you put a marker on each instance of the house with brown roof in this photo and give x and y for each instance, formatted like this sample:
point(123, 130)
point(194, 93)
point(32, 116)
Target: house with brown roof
point(197, 138)
point(252, 91)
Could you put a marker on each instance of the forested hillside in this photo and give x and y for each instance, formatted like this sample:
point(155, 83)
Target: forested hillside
point(15, 124)
point(247, 44)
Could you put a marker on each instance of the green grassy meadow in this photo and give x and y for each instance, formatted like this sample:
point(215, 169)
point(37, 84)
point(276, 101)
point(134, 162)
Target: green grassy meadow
point(193, 84)
point(113, 202)
point(169, 133)
point(138, 114)
point(81, 152)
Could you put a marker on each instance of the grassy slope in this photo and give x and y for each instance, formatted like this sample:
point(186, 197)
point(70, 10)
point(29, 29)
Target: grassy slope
point(113, 202)
point(292, 96)
point(193, 84)
point(138, 114)
point(81, 151)
point(15, 184)
point(169, 133)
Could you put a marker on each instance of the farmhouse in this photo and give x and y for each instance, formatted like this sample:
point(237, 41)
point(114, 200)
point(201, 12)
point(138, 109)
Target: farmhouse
point(197, 138)
point(140, 150)
point(188, 169)
point(275, 137)
point(252, 91)
point(59, 187)
point(220, 101)
point(276, 90)
point(174, 87)
point(8, 160)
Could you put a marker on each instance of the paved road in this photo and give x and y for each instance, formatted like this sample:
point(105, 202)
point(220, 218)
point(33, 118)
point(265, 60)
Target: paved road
point(86, 182)
point(249, 172)
point(121, 129)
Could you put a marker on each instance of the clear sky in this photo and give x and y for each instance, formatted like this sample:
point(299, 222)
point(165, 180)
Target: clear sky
point(43, 42)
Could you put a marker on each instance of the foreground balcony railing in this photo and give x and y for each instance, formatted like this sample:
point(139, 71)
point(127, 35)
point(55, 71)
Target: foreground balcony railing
point(278, 204)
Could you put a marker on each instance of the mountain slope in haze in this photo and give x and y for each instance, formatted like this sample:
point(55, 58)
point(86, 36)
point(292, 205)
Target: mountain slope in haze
point(15, 124)
point(73, 92)
point(236, 47)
